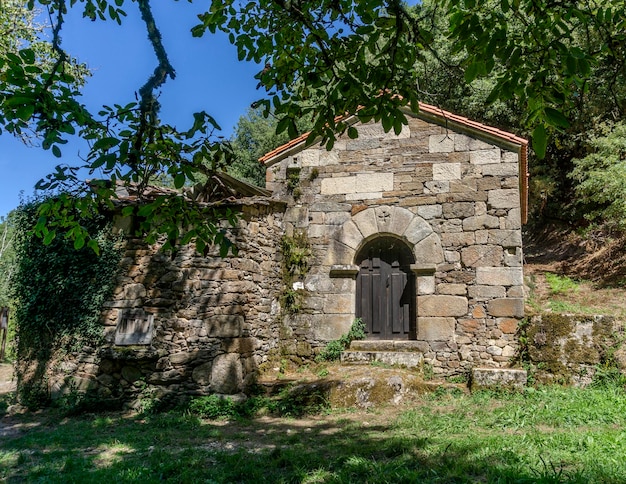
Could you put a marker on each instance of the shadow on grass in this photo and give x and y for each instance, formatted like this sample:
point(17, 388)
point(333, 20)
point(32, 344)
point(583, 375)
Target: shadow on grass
point(181, 448)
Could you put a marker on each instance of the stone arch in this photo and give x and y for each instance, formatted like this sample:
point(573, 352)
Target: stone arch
point(386, 220)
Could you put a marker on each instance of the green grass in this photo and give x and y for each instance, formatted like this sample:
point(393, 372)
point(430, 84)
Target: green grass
point(547, 435)
point(561, 284)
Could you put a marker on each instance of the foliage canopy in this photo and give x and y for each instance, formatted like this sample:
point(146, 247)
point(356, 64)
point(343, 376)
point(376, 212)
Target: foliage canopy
point(320, 60)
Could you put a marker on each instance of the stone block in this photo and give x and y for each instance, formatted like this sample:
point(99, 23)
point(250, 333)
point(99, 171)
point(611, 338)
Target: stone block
point(513, 220)
point(501, 169)
point(441, 143)
point(485, 157)
point(507, 307)
point(458, 210)
point(504, 198)
point(350, 235)
point(328, 327)
point(499, 276)
point(482, 256)
point(425, 285)
point(461, 142)
point(227, 374)
point(505, 238)
point(481, 293)
point(339, 254)
point(202, 373)
point(310, 157)
point(224, 326)
point(507, 325)
point(417, 230)
point(429, 211)
point(435, 329)
point(480, 222)
point(446, 171)
point(366, 222)
point(398, 222)
point(490, 378)
point(441, 305)
point(373, 182)
point(436, 187)
point(428, 250)
point(458, 239)
point(351, 197)
point(452, 289)
point(338, 185)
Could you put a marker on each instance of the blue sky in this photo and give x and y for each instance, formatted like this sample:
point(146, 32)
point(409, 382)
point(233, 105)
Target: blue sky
point(209, 78)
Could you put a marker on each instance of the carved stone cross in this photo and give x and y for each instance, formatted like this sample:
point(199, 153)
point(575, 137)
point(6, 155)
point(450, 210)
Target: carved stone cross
point(384, 216)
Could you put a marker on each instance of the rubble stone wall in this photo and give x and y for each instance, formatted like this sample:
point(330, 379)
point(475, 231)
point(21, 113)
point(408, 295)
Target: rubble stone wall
point(215, 320)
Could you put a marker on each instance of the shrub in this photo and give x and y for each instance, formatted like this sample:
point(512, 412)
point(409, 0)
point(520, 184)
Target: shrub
point(333, 350)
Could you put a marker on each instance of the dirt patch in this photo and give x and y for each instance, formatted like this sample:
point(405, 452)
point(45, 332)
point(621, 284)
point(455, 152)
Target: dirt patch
point(7, 382)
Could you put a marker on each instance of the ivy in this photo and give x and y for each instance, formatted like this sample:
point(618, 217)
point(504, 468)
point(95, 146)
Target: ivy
point(59, 289)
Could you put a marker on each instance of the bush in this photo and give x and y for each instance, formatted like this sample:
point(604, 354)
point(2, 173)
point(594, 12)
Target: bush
point(333, 350)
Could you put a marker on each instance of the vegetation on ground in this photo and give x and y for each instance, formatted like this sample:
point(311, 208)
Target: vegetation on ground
point(550, 434)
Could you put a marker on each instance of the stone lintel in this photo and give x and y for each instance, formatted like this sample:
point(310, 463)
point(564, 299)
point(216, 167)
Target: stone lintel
point(423, 269)
point(344, 271)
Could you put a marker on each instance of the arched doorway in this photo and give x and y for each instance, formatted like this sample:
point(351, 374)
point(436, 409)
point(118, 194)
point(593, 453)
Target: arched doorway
point(385, 289)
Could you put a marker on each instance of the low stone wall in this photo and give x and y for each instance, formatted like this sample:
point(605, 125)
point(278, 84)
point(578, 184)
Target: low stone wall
point(568, 349)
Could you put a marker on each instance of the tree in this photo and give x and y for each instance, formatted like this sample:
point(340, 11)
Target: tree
point(322, 59)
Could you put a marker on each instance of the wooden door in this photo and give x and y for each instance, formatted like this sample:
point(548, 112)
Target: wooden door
point(385, 294)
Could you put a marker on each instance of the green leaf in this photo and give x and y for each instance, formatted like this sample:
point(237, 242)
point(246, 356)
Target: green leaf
point(56, 151)
point(353, 132)
point(49, 237)
point(540, 141)
point(556, 118)
point(79, 242)
point(179, 180)
point(472, 72)
point(105, 143)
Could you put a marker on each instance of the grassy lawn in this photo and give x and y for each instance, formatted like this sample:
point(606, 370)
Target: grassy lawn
point(545, 435)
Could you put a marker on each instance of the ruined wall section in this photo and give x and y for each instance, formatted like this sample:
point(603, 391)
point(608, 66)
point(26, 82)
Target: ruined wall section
point(465, 189)
point(215, 320)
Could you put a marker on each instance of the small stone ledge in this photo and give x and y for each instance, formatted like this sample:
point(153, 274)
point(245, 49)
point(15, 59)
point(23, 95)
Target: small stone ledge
point(423, 269)
point(387, 345)
point(501, 378)
point(131, 353)
point(344, 271)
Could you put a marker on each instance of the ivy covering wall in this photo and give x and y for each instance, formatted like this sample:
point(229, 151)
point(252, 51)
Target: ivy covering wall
point(59, 290)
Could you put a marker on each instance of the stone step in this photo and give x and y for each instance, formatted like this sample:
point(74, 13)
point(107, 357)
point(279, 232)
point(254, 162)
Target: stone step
point(388, 345)
point(399, 358)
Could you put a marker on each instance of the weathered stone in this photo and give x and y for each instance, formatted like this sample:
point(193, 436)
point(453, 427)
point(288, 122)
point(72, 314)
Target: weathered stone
point(366, 222)
point(501, 169)
point(505, 238)
point(429, 211)
point(486, 378)
point(338, 185)
point(435, 329)
point(441, 143)
point(509, 307)
point(417, 230)
point(458, 210)
point(350, 235)
point(505, 198)
point(434, 305)
point(480, 222)
point(373, 182)
point(227, 374)
point(446, 171)
point(224, 326)
point(499, 276)
point(485, 157)
point(482, 255)
point(508, 325)
point(486, 292)
point(428, 250)
point(202, 374)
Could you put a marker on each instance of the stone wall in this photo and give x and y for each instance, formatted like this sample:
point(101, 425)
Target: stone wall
point(214, 321)
point(452, 197)
point(569, 349)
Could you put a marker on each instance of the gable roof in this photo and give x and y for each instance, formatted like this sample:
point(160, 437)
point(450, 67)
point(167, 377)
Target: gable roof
point(450, 120)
